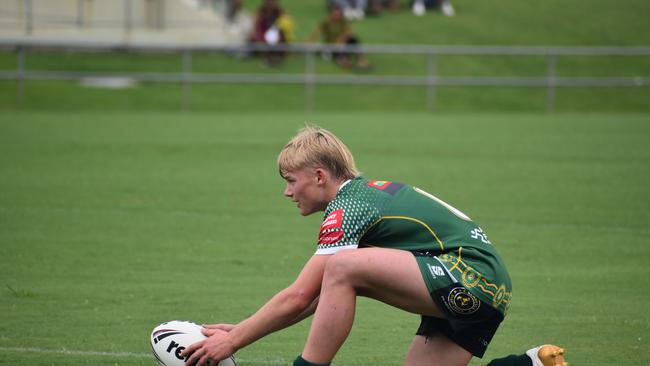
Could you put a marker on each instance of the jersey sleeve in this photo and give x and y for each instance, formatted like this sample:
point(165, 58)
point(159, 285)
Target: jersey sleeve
point(345, 223)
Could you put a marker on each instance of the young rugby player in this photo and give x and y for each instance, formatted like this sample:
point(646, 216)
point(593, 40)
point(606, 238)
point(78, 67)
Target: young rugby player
point(388, 241)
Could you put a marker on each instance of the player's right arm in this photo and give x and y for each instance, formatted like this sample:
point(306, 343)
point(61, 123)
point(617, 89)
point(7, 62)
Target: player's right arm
point(287, 307)
point(284, 309)
point(311, 309)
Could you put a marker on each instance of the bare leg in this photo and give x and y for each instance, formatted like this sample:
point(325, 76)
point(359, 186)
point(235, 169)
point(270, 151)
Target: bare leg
point(389, 275)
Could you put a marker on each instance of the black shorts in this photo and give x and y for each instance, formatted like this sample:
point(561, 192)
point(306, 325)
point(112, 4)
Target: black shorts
point(474, 336)
point(469, 322)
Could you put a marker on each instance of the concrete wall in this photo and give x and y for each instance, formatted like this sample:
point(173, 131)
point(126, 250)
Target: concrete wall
point(143, 14)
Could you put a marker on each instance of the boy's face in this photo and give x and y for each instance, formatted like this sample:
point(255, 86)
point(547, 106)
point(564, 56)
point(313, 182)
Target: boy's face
point(306, 187)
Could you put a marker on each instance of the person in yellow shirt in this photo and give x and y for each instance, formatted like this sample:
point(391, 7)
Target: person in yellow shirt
point(287, 26)
point(335, 29)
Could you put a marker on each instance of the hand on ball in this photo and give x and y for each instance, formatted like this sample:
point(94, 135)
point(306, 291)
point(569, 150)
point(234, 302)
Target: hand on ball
point(211, 350)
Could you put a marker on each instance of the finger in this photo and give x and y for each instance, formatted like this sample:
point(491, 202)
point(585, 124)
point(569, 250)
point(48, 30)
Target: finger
point(203, 360)
point(209, 331)
point(194, 356)
point(193, 347)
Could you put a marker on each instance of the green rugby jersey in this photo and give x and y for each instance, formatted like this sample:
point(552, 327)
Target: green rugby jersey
point(386, 214)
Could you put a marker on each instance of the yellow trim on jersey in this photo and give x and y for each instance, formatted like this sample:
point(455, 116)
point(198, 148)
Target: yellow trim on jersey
point(455, 266)
point(500, 296)
point(442, 246)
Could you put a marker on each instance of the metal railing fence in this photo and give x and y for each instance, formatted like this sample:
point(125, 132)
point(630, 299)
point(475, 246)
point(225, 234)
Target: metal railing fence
point(310, 78)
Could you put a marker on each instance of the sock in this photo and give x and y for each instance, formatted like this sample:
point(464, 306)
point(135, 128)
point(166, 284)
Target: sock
point(302, 362)
point(512, 360)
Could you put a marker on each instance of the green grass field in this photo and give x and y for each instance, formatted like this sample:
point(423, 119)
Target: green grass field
point(119, 212)
point(111, 223)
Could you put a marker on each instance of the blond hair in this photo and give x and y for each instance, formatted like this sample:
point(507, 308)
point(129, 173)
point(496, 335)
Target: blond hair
point(316, 147)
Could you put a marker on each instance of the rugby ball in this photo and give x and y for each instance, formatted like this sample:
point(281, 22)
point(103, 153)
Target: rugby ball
point(169, 339)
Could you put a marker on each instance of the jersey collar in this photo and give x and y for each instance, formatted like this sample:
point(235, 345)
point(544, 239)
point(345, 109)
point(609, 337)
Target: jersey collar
point(344, 184)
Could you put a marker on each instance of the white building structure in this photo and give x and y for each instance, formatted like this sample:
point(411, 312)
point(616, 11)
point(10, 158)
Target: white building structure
point(195, 22)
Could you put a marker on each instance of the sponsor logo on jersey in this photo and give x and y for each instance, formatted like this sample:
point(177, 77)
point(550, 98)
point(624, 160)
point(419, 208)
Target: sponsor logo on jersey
point(333, 221)
point(379, 184)
point(330, 237)
point(386, 186)
point(330, 229)
point(461, 301)
point(478, 233)
point(436, 271)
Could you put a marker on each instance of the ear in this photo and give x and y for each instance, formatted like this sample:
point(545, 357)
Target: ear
point(322, 176)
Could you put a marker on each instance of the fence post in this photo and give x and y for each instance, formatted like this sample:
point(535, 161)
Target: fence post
point(309, 81)
point(187, 80)
point(128, 19)
point(551, 83)
point(431, 82)
point(162, 19)
point(20, 82)
point(29, 17)
point(80, 13)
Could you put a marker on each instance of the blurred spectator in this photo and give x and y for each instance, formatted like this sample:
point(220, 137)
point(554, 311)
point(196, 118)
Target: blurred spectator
point(335, 29)
point(272, 26)
point(376, 7)
point(420, 6)
point(447, 8)
point(286, 26)
point(352, 9)
point(265, 18)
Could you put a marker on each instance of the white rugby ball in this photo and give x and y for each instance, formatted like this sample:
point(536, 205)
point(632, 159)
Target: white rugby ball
point(169, 339)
